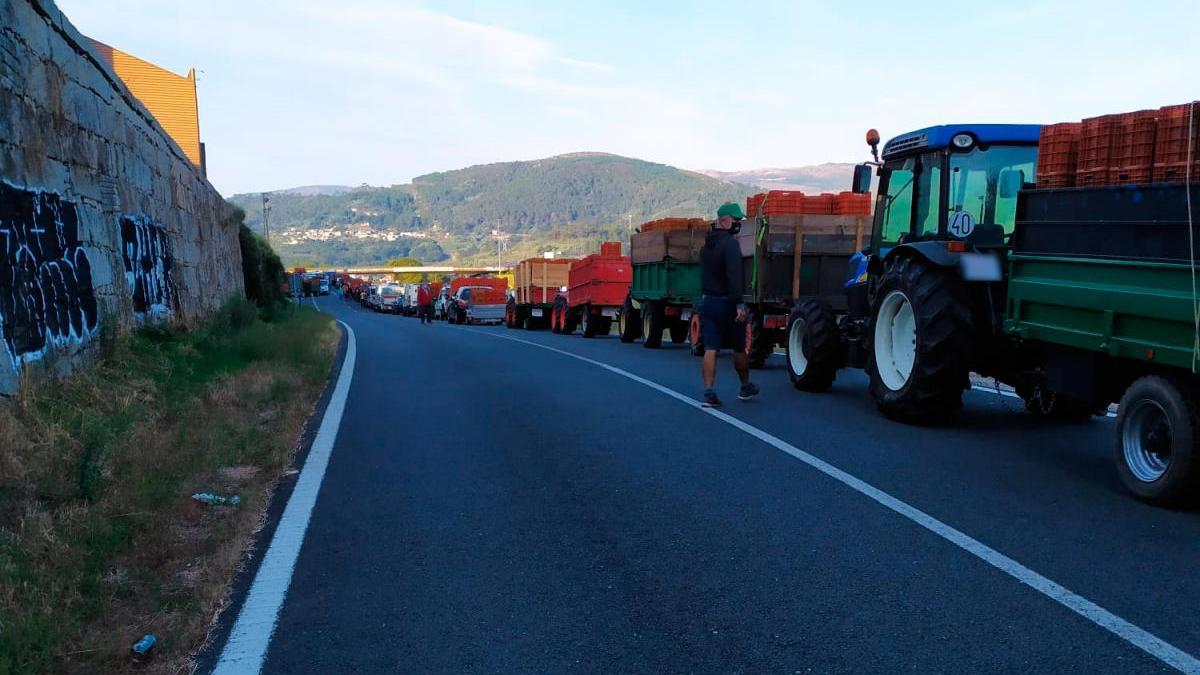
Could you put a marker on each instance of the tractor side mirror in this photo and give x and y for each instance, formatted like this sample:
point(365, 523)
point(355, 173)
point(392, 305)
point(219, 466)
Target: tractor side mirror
point(862, 179)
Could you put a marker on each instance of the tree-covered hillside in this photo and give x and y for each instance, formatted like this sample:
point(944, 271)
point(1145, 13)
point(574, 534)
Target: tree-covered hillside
point(560, 203)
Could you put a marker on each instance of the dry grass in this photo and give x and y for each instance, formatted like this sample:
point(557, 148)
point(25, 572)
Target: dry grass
point(100, 541)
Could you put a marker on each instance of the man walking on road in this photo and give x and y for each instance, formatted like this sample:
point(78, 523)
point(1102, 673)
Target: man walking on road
point(424, 303)
point(722, 313)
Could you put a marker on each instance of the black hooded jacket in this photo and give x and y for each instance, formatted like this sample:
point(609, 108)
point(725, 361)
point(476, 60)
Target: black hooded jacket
point(721, 266)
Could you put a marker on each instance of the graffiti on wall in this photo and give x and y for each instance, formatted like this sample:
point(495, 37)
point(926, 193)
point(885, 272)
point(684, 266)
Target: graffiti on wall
point(46, 295)
point(148, 266)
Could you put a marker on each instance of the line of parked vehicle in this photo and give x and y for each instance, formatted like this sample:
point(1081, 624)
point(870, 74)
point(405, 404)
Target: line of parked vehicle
point(478, 300)
point(1074, 285)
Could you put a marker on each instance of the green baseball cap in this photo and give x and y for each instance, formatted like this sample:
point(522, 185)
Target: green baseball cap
point(733, 210)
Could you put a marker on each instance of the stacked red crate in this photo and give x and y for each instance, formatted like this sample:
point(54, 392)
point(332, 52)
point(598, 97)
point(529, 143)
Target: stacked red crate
point(1058, 155)
point(610, 249)
point(1178, 126)
point(754, 204)
point(1132, 153)
point(791, 203)
point(1095, 150)
point(852, 204)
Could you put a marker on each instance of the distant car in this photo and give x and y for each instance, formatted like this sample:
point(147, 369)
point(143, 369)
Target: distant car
point(476, 304)
point(390, 299)
point(441, 304)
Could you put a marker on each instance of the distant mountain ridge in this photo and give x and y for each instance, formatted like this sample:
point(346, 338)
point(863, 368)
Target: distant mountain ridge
point(567, 203)
point(311, 190)
point(828, 177)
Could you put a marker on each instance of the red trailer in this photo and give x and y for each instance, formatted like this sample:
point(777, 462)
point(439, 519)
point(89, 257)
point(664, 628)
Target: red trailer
point(596, 289)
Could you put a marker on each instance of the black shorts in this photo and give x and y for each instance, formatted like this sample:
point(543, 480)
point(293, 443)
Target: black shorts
point(719, 325)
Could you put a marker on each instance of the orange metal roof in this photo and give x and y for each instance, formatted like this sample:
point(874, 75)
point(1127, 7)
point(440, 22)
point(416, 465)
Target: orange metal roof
point(169, 97)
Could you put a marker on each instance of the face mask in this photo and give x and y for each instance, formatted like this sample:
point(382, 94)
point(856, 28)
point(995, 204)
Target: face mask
point(736, 227)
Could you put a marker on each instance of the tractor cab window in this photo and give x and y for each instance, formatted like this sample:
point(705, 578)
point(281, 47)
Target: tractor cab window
point(912, 196)
point(897, 188)
point(983, 191)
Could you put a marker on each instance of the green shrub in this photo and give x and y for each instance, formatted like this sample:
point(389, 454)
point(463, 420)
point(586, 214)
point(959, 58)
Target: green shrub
point(262, 271)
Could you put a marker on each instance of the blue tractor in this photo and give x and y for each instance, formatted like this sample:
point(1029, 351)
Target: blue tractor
point(925, 301)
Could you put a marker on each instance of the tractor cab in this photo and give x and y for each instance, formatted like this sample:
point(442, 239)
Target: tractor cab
point(949, 189)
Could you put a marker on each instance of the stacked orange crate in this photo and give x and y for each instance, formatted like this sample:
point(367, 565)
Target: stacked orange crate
point(852, 204)
point(1133, 148)
point(754, 204)
point(1058, 155)
point(781, 202)
point(1095, 150)
point(1171, 146)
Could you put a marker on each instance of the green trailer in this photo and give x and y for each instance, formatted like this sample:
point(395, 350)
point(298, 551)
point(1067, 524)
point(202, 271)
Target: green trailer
point(662, 299)
point(774, 280)
point(1102, 296)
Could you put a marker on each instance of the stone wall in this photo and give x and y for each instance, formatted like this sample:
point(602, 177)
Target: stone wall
point(102, 217)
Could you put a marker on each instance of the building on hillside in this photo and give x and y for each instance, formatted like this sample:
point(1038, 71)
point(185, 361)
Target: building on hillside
point(169, 97)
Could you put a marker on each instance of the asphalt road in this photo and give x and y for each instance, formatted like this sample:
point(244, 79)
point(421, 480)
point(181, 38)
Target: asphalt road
point(494, 507)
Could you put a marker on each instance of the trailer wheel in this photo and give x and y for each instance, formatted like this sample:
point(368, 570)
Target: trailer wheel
point(813, 346)
point(629, 322)
point(679, 331)
point(587, 322)
point(652, 324)
point(1156, 450)
point(696, 335)
point(919, 342)
point(758, 341)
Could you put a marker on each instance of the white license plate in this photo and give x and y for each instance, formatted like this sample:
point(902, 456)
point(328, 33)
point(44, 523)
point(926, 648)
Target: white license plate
point(537, 313)
point(980, 267)
point(686, 315)
point(610, 312)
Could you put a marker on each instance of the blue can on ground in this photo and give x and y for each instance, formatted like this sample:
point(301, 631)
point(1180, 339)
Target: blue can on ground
point(719, 325)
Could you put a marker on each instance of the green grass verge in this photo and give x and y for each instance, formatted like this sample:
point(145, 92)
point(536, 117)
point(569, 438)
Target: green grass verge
point(99, 539)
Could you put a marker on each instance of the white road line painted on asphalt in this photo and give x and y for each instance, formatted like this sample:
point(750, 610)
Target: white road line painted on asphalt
point(1134, 635)
point(246, 649)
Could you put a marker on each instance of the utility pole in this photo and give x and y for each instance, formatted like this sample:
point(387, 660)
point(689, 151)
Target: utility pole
point(266, 210)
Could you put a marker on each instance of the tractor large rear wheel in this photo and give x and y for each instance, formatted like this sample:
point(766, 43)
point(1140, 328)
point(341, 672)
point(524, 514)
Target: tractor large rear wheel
point(814, 348)
point(920, 342)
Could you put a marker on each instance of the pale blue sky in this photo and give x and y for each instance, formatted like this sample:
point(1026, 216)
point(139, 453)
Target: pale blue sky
point(306, 92)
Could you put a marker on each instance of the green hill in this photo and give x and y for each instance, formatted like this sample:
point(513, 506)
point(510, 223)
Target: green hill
point(567, 203)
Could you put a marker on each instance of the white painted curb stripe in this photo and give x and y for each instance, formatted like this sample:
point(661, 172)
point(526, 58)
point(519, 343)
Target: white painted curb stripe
point(1134, 635)
point(246, 649)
